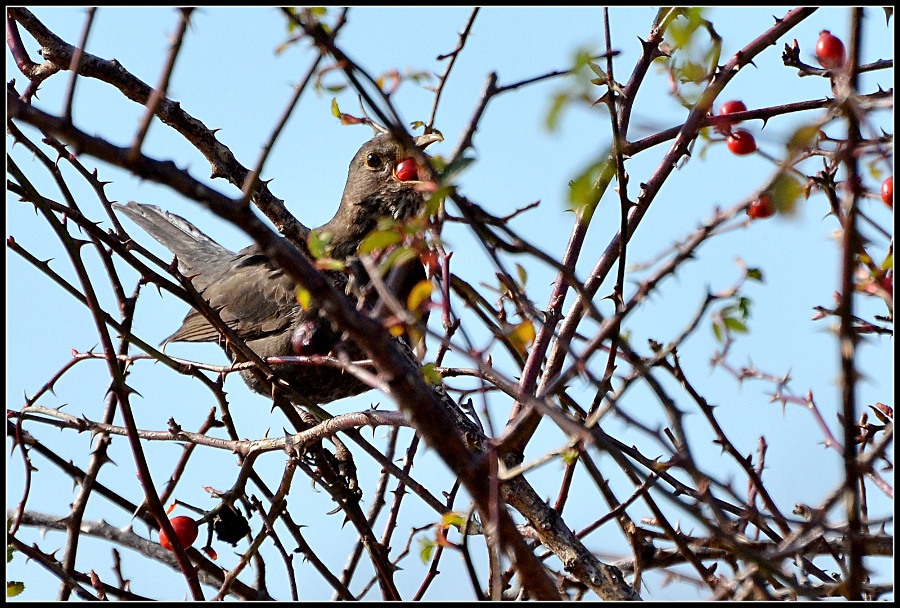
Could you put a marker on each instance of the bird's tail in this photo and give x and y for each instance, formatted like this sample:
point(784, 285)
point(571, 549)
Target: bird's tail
point(195, 251)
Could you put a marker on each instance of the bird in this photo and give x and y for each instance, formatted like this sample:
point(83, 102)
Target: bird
point(258, 300)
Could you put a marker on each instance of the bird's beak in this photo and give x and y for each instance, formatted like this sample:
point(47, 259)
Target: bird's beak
point(423, 141)
point(407, 170)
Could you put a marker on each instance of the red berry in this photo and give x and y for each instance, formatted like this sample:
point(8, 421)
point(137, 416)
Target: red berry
point(761, 208)
point(829, 51)
point(185, 529)
point(730, 107)
point(887, 191)
point(741, 142)
point(406, 170)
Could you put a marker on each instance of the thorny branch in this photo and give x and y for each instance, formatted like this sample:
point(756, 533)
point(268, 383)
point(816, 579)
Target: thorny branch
point(658, 459)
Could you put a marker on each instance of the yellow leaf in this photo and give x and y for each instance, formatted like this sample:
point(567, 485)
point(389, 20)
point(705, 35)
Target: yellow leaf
point(303, 298)
point(419, 294)
point(14, 588)
point(569, 456)
point(452, 518)
point(522, 335)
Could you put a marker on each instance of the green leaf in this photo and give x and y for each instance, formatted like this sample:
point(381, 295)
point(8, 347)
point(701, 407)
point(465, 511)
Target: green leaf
point(692, 72)
point(682, 30)
point(426, 548)
point(523, 274)
point(379, 240)
point(587, 188)
point(582, 58)
point(459, 165)
point(598, 71)
point(335, 110)
point(14, 588)
point(419, 77)
point(317, 243)
point(735, 325)
point(554, 114)
point(397, 256)
point(431, 375)
point(802, 139)
point(755, 274)
point(785, 191)
point(387, 223)
point(433, 204)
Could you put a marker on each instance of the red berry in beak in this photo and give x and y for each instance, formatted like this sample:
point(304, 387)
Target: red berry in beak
point(406, 170)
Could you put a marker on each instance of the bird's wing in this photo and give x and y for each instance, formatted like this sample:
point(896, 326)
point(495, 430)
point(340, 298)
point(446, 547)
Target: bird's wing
point(255, 298)
point(252, 295)
point(197, 253)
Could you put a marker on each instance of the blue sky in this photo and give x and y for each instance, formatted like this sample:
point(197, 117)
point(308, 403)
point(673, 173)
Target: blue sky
point(230, 77)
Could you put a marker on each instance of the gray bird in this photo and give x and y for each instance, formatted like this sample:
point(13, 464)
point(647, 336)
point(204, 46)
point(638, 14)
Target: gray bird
point(258, 300)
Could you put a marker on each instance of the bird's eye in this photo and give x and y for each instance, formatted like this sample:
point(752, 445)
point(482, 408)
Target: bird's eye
point(374, 161)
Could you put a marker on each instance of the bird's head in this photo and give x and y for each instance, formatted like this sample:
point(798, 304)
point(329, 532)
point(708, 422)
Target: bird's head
point(384, 179)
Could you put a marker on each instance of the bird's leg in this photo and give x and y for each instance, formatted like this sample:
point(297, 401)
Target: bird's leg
point(341, 464)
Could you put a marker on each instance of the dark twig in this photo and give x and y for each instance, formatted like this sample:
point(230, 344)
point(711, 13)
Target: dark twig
point(452, 56)
point(76, 64)
point(159, 93)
